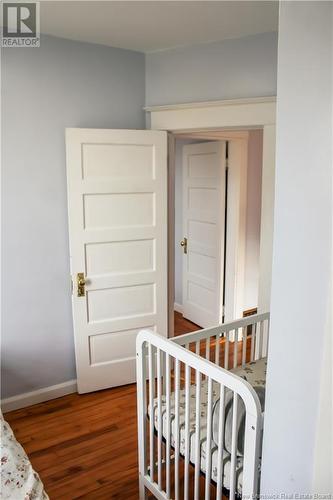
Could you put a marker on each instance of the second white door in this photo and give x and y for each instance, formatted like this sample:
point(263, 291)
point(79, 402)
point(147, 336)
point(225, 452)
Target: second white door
point(204, 167)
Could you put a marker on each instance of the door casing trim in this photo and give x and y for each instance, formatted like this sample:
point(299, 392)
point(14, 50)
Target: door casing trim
point(228, 116)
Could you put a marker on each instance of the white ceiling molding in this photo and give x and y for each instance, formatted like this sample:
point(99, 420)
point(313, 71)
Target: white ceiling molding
point(234, 113)
point(208, 104)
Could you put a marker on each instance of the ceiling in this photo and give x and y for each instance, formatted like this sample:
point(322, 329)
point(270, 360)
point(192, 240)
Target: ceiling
point(149, 26)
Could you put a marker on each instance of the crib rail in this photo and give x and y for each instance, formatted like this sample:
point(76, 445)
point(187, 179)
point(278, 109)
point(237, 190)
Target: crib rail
point(230, 344)
point(170, 451)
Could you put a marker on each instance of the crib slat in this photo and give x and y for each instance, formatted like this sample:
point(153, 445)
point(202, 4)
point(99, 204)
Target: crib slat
point(177, 444)
point(220, 444)
point(226, 351)
point(197, 435)
point(208, 348)
point(244, 337)
point(209, 441)
point(168, 444)
point(187, 431)
point(163, 371)
point(159, 419)
point(253, 339)
point(257, 342)
point(264, 339)
point(261, 339)
point(267, 337)
point(236, 348)
point(151, 411)
point(217, 350)
point(233, 448)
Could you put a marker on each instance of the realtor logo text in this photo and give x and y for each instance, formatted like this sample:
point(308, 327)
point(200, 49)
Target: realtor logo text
point(20, 23)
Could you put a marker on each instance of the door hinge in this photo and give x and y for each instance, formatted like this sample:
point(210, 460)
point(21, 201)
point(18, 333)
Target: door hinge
point(223, 313)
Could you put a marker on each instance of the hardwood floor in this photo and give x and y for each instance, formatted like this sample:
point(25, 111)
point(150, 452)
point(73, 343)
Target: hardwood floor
point(183, 325)
point(85, 446)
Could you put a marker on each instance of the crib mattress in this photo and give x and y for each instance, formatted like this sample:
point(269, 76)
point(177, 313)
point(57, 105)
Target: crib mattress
point(255, 374)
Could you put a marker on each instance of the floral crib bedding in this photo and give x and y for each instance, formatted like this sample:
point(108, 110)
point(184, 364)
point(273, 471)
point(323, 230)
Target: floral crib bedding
point(18, 479)
point(255, 373)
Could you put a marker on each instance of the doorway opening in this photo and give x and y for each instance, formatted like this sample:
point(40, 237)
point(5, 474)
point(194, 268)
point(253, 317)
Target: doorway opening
point(215, 198)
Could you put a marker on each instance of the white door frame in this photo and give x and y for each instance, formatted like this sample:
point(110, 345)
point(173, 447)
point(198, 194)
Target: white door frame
point(237, 114)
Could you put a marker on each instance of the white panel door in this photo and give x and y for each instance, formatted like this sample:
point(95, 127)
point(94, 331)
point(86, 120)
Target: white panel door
point(117, 196)
point(203, 226)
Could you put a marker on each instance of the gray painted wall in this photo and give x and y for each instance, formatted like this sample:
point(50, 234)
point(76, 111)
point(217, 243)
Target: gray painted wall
point(231, 69)
point(61, 84)
point(302, 256)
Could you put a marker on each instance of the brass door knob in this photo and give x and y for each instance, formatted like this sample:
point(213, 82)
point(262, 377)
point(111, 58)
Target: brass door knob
point(80, 284)
point(183, 244)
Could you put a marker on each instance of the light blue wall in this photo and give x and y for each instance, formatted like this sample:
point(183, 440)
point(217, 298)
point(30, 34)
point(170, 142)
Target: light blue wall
point(231, 69)
point(61, 84)
point(71, 84)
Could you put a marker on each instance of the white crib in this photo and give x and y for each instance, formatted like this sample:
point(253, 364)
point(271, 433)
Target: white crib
point(192, 382)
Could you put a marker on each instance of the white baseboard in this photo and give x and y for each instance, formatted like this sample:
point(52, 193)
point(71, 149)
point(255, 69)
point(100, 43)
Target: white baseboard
point(39, 396)
point(178, 308)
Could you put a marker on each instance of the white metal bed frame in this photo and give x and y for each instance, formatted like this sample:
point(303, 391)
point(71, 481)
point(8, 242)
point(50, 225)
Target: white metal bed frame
point(159, 360)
